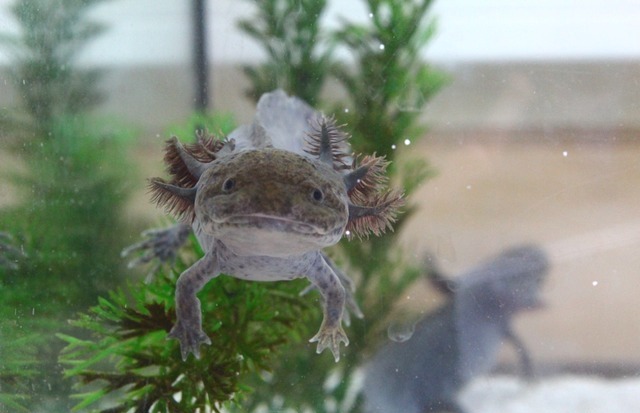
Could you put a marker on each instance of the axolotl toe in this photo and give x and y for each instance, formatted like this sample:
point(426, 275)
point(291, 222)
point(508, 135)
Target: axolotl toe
point(263, 213)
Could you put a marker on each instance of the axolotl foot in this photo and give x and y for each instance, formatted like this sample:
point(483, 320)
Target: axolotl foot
point(330, 337)
point(190, 339)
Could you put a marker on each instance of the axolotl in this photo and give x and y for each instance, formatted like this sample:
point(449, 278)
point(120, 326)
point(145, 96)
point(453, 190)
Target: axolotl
point(264, 202)
point(459, 341)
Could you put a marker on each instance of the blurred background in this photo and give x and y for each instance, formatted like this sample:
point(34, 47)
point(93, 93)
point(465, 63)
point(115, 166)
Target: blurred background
point(533, 139)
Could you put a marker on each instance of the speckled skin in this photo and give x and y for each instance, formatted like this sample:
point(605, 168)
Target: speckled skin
point(264, 215)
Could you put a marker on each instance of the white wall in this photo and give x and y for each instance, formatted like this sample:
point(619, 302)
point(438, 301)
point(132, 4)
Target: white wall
point(158, 31)
point(514, 64)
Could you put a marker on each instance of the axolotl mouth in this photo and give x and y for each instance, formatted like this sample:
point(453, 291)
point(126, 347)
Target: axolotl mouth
point(261, 234)
point(275, 223)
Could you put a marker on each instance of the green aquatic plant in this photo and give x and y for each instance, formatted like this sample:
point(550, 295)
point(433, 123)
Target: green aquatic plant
point(127, 363)
point(218, 123)
point(290, 33)
point(69, 187)
point(44, 69)
point(389, 83)
point(18, 367)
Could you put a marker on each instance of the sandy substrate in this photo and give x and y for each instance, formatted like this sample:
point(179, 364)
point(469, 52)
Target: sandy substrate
point(563, 394)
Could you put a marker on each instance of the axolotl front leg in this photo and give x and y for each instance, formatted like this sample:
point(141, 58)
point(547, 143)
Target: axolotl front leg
point(328, 284)
point(188, 327)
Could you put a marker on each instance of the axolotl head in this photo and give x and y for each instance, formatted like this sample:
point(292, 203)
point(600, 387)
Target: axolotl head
point(276, 202)
point(271, 202)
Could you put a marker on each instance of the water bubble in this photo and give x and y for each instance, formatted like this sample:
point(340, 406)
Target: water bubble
point(468, 186)
point(347, 232)
point(346, 110)
point(381, 47)
point(393, 146)
point(595, 283)
point(565, 153)
point(407, 142)
point(371, 15)
point(400, 332)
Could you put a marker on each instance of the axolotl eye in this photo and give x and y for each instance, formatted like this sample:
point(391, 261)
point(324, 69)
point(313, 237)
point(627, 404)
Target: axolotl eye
point(228, 184)
point(317, 195)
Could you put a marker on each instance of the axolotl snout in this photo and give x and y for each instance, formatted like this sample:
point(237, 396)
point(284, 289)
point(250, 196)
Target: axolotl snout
point(263, 207)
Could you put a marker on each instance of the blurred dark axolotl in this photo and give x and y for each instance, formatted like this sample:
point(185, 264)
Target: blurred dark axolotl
point(263, 204)
point(461, 339)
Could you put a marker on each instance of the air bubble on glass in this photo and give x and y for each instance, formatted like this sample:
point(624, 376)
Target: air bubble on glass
point(400, 332)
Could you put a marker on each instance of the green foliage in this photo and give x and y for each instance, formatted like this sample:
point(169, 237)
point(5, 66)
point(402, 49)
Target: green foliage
point(67, 217)
point(129, 359)
point(218, 123)
point(289, 33)
point(17, 369)
point(390, 84)
point(69, 224)
point(44, 69)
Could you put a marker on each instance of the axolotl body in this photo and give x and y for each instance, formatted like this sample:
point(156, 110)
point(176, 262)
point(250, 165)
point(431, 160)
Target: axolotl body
point(263, 204)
